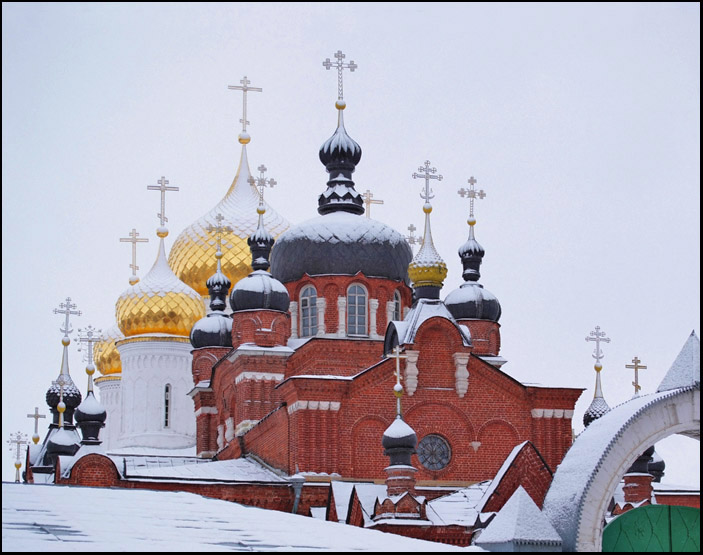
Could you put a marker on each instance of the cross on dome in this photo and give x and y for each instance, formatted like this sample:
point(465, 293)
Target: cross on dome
point(162, 187)
point(218, 229)
point(472, 194)
point(36, 416)
point(397, 389)
point(245, 88)
point(89, 336)
point(368, 201)
point(67, 309)
point(133, 238)
point(262, 181)
point(340, 65)
point(598, 336)
point(636, 366)
point(427, 173)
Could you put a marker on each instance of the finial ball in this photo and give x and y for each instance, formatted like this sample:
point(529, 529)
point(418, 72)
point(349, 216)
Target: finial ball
point(598, 366)
point(471, 221)
point(90, 369)
point(162, 232)
point(35, 438)
point(427, 208)
point(61, 406)
point(133, 280)
point(65, 341)
point(340, 104)
point(218, 254)
point(18, 465)
point(244, 138)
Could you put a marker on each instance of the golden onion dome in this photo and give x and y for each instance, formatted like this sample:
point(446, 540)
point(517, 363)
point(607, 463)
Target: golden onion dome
point(427, 268)
point(192, 256)
point(105, 353)
point(159, 303)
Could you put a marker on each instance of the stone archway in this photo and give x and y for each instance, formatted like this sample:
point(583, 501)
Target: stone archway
point(587, 477)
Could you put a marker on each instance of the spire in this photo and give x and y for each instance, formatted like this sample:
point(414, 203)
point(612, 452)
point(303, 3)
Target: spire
point(598, 406)
point(340, 154)
point(471, 252)
point(90, 414)
point(218, 284)
point(427, 269)
point(261, 241)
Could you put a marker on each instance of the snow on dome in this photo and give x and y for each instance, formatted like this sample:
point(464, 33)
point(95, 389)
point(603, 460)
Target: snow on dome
point(259, 290)
point(399, 429)
point(159, 303)
point(65, 437)
point(91, 406)
point(340, 243)
point(520, 521)
point(471, 300)
point(686, 369)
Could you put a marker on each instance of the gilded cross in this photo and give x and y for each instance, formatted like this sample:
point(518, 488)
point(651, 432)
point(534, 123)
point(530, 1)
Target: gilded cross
point(598, 336)
point(245, 88)
point(428, 173)
point(162, 186)
point(397, 389)
point(471, 194)
point(67, 310)
point(36, 416)
point(218, 229)
point(636, 366)
point(133, 239)
point(262, 181)
point(340, 65)
point(368, 201)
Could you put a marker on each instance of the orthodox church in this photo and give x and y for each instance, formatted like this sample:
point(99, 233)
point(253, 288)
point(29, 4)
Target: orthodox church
point(313, 368)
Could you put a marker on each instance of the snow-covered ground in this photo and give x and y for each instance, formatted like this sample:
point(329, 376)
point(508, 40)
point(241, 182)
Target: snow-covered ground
point(46, 518)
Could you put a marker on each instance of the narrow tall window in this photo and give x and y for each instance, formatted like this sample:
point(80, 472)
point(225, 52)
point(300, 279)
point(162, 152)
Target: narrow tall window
point(356, 310)
point(396, 306)
point(308, 312)
point(167, 405)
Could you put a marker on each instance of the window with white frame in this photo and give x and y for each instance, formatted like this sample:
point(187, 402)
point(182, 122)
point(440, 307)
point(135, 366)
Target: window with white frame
point(396, 306)
point(356, 310)
point(167, 405)
point(308, 312)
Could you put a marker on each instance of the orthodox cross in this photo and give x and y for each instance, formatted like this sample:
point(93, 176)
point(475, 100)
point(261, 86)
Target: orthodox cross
point(36, 416)
point(368, 201)
point(133, 239)
point(397, 389)
point(598, 336)
point(91, 336)
point(67, 310)
point(411, 239)
point(218, 229)
point(163, 188)
point(471, 194)
point(427, 175)
point(262, 182)
point(636, 366)
point(245, 88)
point(16, 442)
point(340, 65)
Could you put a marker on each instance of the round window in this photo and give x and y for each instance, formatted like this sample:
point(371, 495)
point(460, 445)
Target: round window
point(434, 452)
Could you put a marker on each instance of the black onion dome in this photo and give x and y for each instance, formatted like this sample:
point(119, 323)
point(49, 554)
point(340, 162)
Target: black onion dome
point(71, 395)
point(259, 290)
point(399, 441)
point(215, 330)
point(343, 244)
point(471, 300)
point(596, 409)
point(656, 466)
point(90, 409)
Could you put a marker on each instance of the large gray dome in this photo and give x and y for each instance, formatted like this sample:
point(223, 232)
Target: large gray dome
point(341, 243)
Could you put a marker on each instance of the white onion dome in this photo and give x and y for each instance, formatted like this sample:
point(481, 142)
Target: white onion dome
point(340, 241)
point(159, 303)
point(191, 256)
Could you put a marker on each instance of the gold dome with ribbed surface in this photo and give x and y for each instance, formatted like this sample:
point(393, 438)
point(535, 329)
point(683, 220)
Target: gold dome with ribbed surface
point(159, 303)
point(105, 353)
point(192, 256)
point(427, 268)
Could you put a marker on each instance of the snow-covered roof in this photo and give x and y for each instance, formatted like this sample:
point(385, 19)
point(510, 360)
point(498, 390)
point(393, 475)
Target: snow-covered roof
point(423, 310)
point(520, 521)
point(460, 508)
point(686, 369)
point(234, 470)
point(43, 518)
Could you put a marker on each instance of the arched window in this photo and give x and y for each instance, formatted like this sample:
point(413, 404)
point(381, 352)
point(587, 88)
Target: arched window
point(308, 312)
point(167, 405)
point(396, 306)
point(356, 310)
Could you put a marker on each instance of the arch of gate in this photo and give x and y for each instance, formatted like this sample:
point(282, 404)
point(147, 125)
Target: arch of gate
point(586, 479)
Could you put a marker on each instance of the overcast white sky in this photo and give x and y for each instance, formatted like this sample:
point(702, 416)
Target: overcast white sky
point(581, 123)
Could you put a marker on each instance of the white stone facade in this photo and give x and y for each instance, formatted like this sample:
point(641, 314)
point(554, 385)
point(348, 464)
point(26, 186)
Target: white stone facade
point(110, 390)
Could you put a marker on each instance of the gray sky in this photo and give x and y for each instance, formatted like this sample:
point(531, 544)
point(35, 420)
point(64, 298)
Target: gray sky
point(581, 123)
